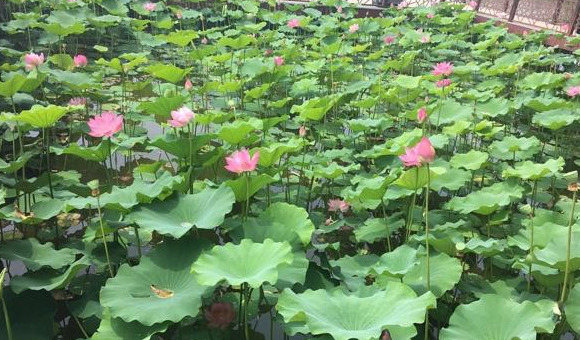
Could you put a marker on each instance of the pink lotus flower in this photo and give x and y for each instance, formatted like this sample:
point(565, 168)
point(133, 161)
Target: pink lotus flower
point(77, 101)
point(181, 117)
point(422, 153)
point(179, 15)
point(220, 315)
point(267, 52)
point(472, 4)
point(430, 15)
point(204, 41)
point(353, 28)
point(565, 27)
point(105, 125)
point(188, 85)
point(425, 39)
point(279, 61)
point(149, 6)
point(338, 205)
point(302, 131)
point(339, 9)
point(240, 161)
point(80, 60)
point(421, 115)
point(293, 23)
point(328, 221)
point(389, 39)
point(443, 82)
point(403, 4)
point(443, 69)
point(573, 91)
point(32, 61)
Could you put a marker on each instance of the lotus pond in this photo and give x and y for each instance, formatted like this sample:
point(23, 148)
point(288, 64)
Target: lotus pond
point(244, 170)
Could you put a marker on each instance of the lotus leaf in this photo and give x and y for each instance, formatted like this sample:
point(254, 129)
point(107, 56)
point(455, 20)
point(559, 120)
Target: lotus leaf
point(35, 255)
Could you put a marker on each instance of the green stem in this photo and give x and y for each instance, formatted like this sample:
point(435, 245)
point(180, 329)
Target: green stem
point(45, 139)
point(246, 211)
point(246, 301)
point(568, 248)
point(4, 309)
point(104, 237)
point(534, 192)
point(427, 246)
point(139, 254)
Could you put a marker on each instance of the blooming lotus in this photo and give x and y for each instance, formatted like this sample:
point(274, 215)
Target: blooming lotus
point(80, 60)
point(32, 60)
point(188, 84)
point(149, 6)
point(181, 117)
point(220, 315)
point(76, 101)
point(443, 82)
point(240, 161)
point(339, 9)
point(430, 15)
point(353, 28)
point(105, 125)
point(425, 39)
point(279, 61)
point(443, 69)
point(421, 115)
point(302, 131)
point(573, 91)
point(336, 205)
point(389, 39)
point(293, 23)
point(420, 154)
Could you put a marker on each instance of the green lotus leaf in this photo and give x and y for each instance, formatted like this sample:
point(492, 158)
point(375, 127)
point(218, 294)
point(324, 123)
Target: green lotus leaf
point(35, 255)
point(573, 308)
point(241, 188)
point(555, 119)
point(416, 177)
point(545, 103)
point(533, 171)
point(175, 216)
point(397, 262)
point(11, 167)
point(61, 30)
point(361, 316)
point(452, 179)
point(271, 154)
point(48, 278)
point(77, 81)
point(513, 147)
point(333, 170)
point(487, 200)
point(161, 282)
point(10, 87)
point(445, 272)
point(97, 153)
point(117, 329)
point(247, 262)
point(543, 79)
point(238, 43)
point(504, 320)
point(237, 131)
point(354, 269)
point(280, 222)
point(42, 116)
point(31, 315)
point(378, 228)
point(449, 111)
point(487, 248)
point(407, 82)
point(180, 147)
point(315, 108)
point(181, 38)
point(493, 108)
point(554, 253)
point(458, 128)
point(472, 160)
point(168, 72)
point(369, 192)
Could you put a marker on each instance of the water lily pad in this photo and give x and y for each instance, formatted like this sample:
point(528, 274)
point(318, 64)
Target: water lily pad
point(161, 282)
point(247, 262)
point(363, 316)
point(504, 320)
point(177, 215)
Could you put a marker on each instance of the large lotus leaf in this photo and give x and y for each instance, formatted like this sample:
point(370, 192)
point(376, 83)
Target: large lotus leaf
point(546, 102)
point(397, 262)
point(543, 79)
point(42, 116)
point(31, 315)
point(293, 273)
point(272, 153)
point(97, 153)
point(369, 192)
point(554, 254)
point(452, 179)
point(354, 269)
point(77, 81)
point(333, 170)
point(238, 43)
point(363, 316)
point(280, 222)
point(555, 119)
point(161, 282)
point(11, 167)
point(168, 72)
point(11, 86)
point(237, 131)
point(181, 38)
point(511, 147)
point(497, 318)
point(241, 188)
point(48, 278)
point(117, 329)
point(573, 308)
point(35, 255)
point(473, 160)
point(247, 262)
point(493, 107)
point(162, 106)
point(445, 272)
point(450, 111)
point(315, 108)
point(177, 215)
point(378, 228)
point(487, 200)
point(181, 147)
point(535, 171)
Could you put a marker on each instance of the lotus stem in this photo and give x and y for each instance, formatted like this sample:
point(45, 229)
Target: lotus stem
point(569, 243)
point(411, 208)
point(427, 247)
point(45, 139)
point(104, 237)
point(246, 300)
point(4, 309)
point(534, 192)
point(247, 210)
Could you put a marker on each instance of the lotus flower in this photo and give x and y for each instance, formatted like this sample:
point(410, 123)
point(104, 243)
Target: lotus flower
point(472, 4)
point(293, 23)
point(279, 61)
point(181, 117)
point(240, 161)
point(389, 39)
point(32, 61)
point(443, 82)
point(77, 101)
point(149, 6)
point(430, 15)
point(443, 69)
point(204, 41)
point(339, 9)
point(302, 131)
point(353, 28)
point(425, 39)
point(422, 153)
point(220, 315)
point(338, 205)
point(573, 91)
point(80, 60)
point(105, 125)
point(188, 85)
point(421, 115)
point(179, 15)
